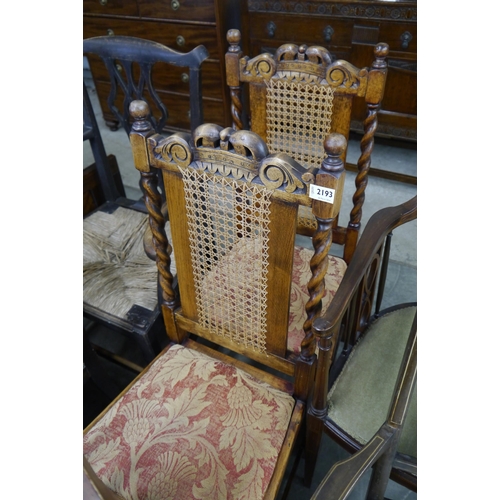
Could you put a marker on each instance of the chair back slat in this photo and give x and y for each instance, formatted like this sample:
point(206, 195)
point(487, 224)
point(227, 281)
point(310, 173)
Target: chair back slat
point(130, 63)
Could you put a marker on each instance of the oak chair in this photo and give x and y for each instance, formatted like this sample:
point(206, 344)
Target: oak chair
point(119, 267)
point(366, 398)
point(295, 98)
point(217, 416)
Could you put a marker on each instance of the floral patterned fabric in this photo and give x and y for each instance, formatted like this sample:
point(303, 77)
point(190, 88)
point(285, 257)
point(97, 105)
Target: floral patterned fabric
point(191, 428)
point(299, 294)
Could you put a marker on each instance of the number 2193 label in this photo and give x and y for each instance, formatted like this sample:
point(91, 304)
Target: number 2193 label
point(321, 193)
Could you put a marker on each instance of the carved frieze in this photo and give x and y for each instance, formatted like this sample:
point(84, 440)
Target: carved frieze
point(353, 9)
point(241, 155)
point(303, 64)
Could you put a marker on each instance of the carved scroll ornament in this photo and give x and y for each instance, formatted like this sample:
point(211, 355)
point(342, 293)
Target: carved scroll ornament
point(343, 75)
point(175, 149)
point(238, 154)
point(261, 67)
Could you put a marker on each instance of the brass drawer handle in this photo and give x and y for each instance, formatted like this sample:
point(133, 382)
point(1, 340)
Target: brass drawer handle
point(180, 41)
point(103, 2)
point(405, 38)
point(271, 29)
point(185, 77)
point(328, 33)
point(110, 32)
point(175, 5)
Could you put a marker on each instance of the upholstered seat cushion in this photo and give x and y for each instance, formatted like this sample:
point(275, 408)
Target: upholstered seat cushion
point(360, 398)
point(300, 295)
point(191, 428)
point(117, 273)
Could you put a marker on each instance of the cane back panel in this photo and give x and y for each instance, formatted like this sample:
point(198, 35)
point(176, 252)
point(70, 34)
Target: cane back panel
point(233, 213)
point(296, 97)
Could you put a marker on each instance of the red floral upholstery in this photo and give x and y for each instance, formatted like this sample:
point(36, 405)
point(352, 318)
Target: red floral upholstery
point(299, 294)
point(191, 428)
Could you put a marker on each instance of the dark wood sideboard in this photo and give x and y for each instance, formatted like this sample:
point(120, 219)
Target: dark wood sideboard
point(350, 30)
point(180, 25)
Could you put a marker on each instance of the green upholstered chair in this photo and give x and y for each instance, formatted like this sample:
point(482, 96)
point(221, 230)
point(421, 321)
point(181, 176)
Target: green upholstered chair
point(369, 404)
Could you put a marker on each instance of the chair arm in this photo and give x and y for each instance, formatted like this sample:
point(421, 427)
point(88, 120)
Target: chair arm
point(343, 476)
point(378, 227)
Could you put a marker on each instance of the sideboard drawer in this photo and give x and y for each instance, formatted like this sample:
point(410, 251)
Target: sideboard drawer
point(181, 37)
point(185, 10)
point(111, 7)
point(401, 37)
point(326, 32)
point(102, 26)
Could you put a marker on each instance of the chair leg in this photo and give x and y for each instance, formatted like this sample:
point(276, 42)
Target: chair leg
point(98, 374)
point(148, 345)
point(314, 433)
point(382, 470)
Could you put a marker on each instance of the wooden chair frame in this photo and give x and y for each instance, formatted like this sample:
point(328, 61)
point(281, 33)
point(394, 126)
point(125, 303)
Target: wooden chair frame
point(288, 182)
point(133, 78)
point(347, 81)
point(145, 54)
point(381, 451)
point(347, 318)
point(148, 161)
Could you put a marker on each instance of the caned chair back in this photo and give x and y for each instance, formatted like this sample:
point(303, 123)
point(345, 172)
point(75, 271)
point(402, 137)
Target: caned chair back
point(296, 97)
point(233, 210)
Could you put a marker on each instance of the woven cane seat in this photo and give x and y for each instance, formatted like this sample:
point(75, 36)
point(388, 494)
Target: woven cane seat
point(190, 428)
point(117, 274)
point(360, 396)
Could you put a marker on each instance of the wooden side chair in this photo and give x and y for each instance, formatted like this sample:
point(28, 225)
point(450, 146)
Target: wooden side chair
point(297, 96)
point(120, 287)
point(369, 404)
point(217, 417)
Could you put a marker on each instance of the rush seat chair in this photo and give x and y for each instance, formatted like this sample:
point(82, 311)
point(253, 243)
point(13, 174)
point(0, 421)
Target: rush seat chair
point(119, 269)
point(217, 414)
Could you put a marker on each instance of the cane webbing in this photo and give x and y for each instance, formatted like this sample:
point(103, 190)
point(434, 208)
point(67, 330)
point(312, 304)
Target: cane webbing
point(228, 224)
point(298, 119)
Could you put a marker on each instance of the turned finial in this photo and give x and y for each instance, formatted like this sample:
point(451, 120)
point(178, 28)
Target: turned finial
point(381, 51)
point(301, 56)
point(139, 110)
point(335, 146)
point(234, 38)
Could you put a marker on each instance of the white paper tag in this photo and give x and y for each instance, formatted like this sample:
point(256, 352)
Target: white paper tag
point(321, 193)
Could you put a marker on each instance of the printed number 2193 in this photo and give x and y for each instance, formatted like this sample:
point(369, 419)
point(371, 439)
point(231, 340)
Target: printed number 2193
point(321, 193)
